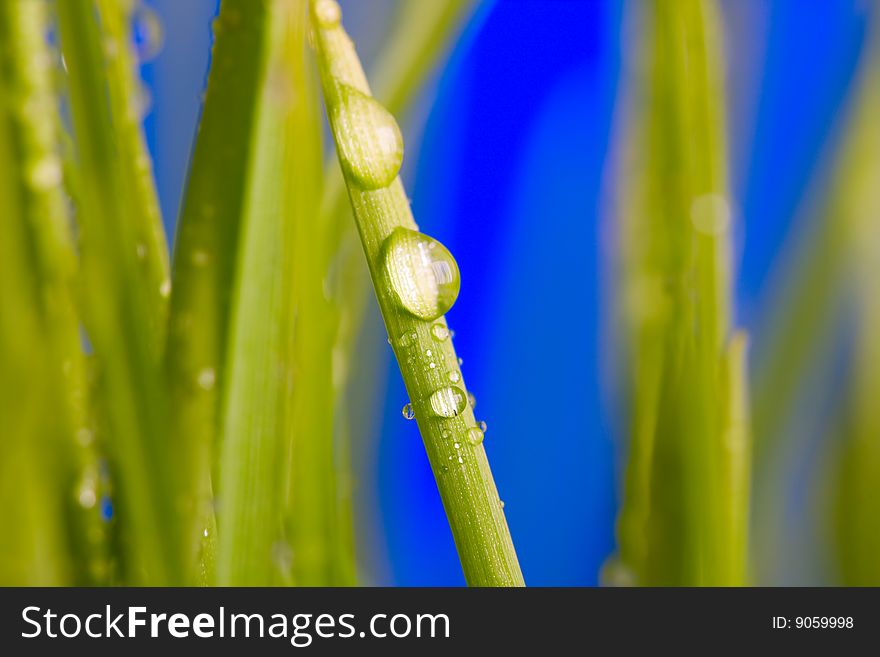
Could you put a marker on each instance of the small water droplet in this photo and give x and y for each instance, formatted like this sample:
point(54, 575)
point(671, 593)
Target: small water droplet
point(428, 352)
point(205, 533)
point(483, 426)
point(460, 362)
point(444, 434)
point(448, 402)
point(84, 436)
point(425, 280)
point(206, 378)
point(501, 503)
point(141, 251)
point(199, 258)
point(282, 556)
point(45, 173)
point(87, 496)
point(327, 13)
point(165, 288)
point(368, 139)
point(710, 214)
point(460, 460)
point(444, 468)
point(456, 445)
point(408, 412)
point(472, 400)
point(432, 365)
point(148, 33)
point(454, 376)
point(475, 435)
point(439, 332)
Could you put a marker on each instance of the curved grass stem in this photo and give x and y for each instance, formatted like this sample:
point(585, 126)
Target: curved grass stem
point(370, 148)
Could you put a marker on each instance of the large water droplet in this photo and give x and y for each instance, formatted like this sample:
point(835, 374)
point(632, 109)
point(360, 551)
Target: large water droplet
point(423, 275)
point(448, 402)
point(368, 139)
point(408, 412)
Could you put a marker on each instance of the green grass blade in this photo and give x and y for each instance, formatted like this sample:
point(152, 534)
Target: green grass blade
point(856, 197)
point(205, 256)
point(420, 36)
point(37, 135)
point(675, 308)
point(369, 147)
point(122, 315)
point(280, 199)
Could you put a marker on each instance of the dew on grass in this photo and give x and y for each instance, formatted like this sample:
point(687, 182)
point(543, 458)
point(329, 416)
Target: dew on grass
point(710, 214)
point(148, 34)
point(454, 376)
point(408, 412)
point(475, 435)
point(421, 272)
point(483, 426)
point(448, 401)
point(327, 13)
point(206, 378)
point(472, 400)
point(439, 332)
point(368, 139)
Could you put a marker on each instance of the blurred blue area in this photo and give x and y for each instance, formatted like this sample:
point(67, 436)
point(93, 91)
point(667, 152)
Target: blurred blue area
point(511, 177)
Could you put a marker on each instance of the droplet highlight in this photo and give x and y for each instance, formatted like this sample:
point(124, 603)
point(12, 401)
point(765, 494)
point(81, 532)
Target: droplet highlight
point(368, 139)
point(421, 272)
point(448, 402)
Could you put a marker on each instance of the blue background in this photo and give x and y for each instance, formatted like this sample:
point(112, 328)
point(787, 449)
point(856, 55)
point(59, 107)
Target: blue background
point(508, 166)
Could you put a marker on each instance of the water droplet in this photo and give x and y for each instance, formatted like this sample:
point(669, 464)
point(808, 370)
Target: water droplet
point(475, 435)
point(428, 352)
point(408, 412)
point(460, 460)
point(448, 402)
point(456, 445)
point(444, 468)
point(282, 556)
point(206, 378)
point(87, 496)
point(141, 251)
point(422, 274)
point(367, 137)
point(432, 365)
point(483, 426)
point(439, 332)
point(327, 13)
point(501, 503)
point(45, 173)
point(460, 362)
point(199, 258)
point(148, 33)
point(205, 533)
point(454, 376)
point(444, 434)
point(84, 436)
point(710, 214)
point(472, 400)
point(165, 288)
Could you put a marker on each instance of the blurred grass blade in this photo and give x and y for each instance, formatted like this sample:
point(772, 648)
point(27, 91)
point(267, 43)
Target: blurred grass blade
point(36, 482)
point(675, 308)
point(856, 197)
point(281, 198)
point(205, 256)
point(370, 148)
point(123, 314)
